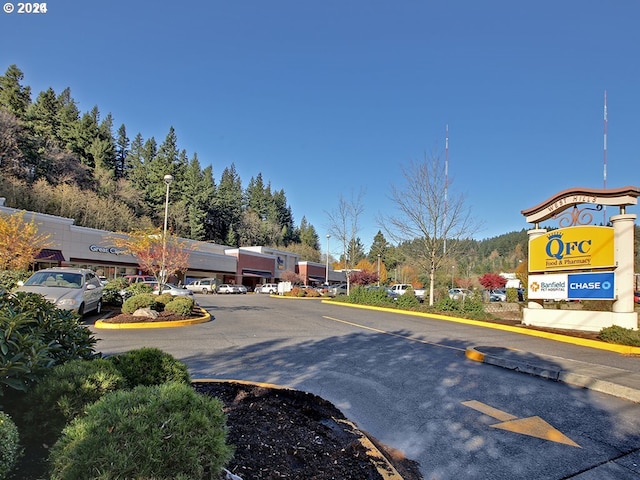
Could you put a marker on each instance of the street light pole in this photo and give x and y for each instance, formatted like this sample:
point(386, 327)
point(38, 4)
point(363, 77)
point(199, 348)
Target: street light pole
point(326, 276)
point(163, 273)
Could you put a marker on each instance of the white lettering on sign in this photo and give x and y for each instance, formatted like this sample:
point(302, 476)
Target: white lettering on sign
point(585, 285)
point(111, 250)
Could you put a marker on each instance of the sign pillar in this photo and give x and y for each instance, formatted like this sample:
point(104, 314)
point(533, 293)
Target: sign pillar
point(623, 227)
point(535, 233)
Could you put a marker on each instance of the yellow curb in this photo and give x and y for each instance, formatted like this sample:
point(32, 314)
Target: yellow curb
point(473, 354)
point(584, 342)
point(386, 470)
point(176, 323)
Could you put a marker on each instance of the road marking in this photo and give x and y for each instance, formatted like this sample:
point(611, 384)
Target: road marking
point(377, 330)
point(531, 426)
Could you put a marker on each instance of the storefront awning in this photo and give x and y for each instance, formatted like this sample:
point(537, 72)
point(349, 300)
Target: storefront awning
point(316, 279)
point(256, 273)
point(50, 255)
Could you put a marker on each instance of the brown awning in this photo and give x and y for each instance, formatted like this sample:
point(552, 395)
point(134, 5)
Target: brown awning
point(50, 254)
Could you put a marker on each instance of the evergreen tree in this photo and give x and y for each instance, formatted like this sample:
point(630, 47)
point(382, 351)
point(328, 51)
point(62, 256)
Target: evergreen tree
point(13, 96)
point(68, 117)
point(308, 235)
point(228, 204)
point(43, 116)
point(380, 246)
point(122, 151)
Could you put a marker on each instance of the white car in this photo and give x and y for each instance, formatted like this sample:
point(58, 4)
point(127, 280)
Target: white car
point(269, 288)
point(174, 290)
point(228, 288)
point(75, 289)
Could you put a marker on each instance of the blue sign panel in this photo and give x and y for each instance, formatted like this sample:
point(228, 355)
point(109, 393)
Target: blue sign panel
point(591, 286)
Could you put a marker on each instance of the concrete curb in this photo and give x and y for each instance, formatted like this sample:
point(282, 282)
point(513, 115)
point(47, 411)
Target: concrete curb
point(540, 367)
point(206, 316)
point(386, 470)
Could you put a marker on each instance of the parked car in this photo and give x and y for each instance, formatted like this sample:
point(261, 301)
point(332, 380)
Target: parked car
point(269, 288)
point(203, 285)
point(459, 293)
point(75, 289)
point(242, 289)
point(386, 290)
point(139, 278)
point(497, 296)
point(401, 288)
point(636, 297)
point(227, 288)
point(335, 290)
point(174, 290)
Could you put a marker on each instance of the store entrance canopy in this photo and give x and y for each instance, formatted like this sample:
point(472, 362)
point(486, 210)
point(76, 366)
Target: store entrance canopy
point(256, 273)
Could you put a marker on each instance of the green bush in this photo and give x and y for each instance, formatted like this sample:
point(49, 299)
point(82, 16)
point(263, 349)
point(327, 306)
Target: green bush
point(150, 366)
point(137, 288)
point(9, 445)
point(408, 300)
point(373, 296)
point(164, 298)
point(65, 391)
point(180, 306)
point(156, 432)
point(9, 278)
point(35, 335)
point(111, 292)
point(143, 300)
point(620, 335)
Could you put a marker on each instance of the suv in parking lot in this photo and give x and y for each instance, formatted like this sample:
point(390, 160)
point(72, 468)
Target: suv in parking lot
point(269, 288)
point(203, 285)
point(76, 289)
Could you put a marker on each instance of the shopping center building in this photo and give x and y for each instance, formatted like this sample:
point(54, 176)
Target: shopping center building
point(75, 246)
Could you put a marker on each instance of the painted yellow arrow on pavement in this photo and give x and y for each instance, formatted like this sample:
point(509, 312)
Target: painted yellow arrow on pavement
point(532, 426)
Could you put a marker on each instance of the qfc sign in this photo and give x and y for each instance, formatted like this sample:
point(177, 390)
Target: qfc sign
point(573, 286)
point(573, 248)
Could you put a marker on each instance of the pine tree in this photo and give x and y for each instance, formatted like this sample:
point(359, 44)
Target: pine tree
point(13, 96)
point(122, 151)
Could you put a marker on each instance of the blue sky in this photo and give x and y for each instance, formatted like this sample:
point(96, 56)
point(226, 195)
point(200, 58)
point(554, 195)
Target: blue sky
point(331, 98)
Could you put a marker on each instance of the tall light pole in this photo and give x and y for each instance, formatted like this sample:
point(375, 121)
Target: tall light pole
point(163, 274)
point(326, 276)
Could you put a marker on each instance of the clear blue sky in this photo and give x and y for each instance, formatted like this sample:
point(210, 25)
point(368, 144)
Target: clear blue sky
point(331, 97)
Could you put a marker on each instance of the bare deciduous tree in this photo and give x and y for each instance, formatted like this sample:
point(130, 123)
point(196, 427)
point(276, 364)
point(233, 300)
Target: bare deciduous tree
point(428, 217)
point(344, 225)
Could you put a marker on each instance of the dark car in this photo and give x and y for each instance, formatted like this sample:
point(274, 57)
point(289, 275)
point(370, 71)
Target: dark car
point(636, 297)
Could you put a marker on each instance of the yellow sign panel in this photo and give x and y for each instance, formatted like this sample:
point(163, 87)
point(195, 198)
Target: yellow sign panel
point(573, 248)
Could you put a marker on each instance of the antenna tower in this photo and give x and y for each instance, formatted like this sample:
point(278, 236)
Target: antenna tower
point(605, 155)
point(446, 182)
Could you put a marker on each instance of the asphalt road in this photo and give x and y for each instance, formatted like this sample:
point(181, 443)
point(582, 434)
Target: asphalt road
point(407, 382)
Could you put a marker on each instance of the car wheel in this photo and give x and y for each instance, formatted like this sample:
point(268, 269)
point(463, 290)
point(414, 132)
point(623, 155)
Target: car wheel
point(81, 309)
point(99, 306)
point(205, 291)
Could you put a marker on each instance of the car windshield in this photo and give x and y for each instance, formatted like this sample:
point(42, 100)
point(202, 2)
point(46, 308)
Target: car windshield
point(55, 279)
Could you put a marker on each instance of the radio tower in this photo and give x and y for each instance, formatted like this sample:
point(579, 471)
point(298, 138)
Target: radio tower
point(605, 155)
point(446, 183)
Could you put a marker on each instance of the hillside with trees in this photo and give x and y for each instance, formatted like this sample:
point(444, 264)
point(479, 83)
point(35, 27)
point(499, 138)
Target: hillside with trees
point(58, 160)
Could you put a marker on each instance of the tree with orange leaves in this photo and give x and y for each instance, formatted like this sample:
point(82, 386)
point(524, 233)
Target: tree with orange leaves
point(154, 255)
point(20, 242)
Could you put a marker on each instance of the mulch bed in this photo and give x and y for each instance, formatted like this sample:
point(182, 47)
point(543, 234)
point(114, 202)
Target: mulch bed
point(281, 433)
